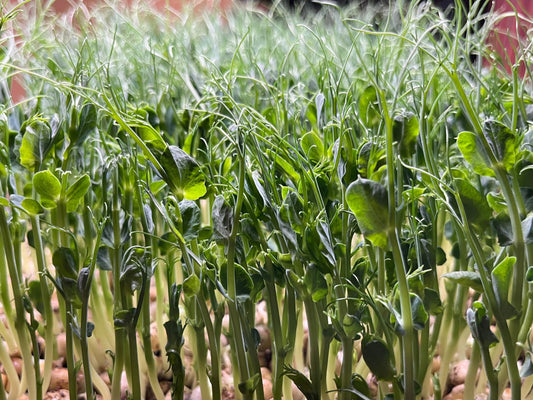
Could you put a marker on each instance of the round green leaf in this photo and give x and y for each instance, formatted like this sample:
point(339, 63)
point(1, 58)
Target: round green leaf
point(378, 358)
point(32, 206)
point(47, 186)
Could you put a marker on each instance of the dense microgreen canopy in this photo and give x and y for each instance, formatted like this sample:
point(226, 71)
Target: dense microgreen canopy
point(359, 171)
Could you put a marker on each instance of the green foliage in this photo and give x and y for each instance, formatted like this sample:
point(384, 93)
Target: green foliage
point(368, 201)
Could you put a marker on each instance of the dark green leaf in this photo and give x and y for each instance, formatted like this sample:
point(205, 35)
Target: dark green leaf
point(440, 256)
point(35, 295)
point(90, 329)
point(504, 230)
point(316, 283)
point(70, 291)
point(368, 201)
point(183, 174)
point(83, 283)
point(222, 216)
point(466, 278)
point(191, 219)
point(405, 131)
point(479, 323)
point(420, 316)
point(248, 387)
point(527, 228)
point(432, 301)
point(378, 358)
point(243, 282)
point(529, 275)
point(502, 142)
point(302, 382)
point(502, 276)
point(174, 300)
point(131, 276)
point(124, 318)
point(475, 204)
point(66, 263)
point(360, 387)
point(125, 229)
point(102, 259)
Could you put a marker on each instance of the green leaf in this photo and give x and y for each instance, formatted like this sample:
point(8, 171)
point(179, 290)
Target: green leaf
point(368, 201)
point(248, 387)
point(469, 145)
point(191, 219)
point(36, 143)
point(497, 202)
point(368, 107)
point(466, 278)
point(378, 358)
point(174, 302)
point(302, 382)
point(352, 326)
point(479, 323)
point(527, 228)
point(432, 302)
point(66, 263)
point(182, 173)
point(88, 120)
point(70, 291)
point(312, 147)
point(243, 282)
point(501, 151)
point(285, 167)
point(132, 271)
point(504, 230)
point(475, 204)
point(33, 207)
point(76, 191)
point(35, 294)
point(360, 387)
point(502, 276)
point(222, 217)
point(48, 187)
point(316, 283)
point(420, 316)
point(191, 285)
point(405, 132)
point(529, 274)
point(502, 142)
